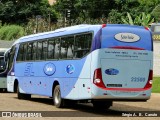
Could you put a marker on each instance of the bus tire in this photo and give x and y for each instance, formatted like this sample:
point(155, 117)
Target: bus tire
point(19, 95)
point(58, 101)
point(102, 104)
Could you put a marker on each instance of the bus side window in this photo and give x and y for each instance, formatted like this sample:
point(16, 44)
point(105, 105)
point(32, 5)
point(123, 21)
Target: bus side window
point(45, 50)
point(67, 46)
point(25, 52)
point(57, 48)
point(34, 51)
point(29, 51)
point(63, 49)
point(82, 45)
point(39, 51)
point(51, 45)
point(70, 47)
point(20, 56)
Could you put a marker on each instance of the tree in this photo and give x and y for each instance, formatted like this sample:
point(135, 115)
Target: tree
point(121, 7)
point(7, 11)
point(95, 8)
point(66, 9)
point(149, 5)
point(85, 9)
point(18, 11)
point(156, 13)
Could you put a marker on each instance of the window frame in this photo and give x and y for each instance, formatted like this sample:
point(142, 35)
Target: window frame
point(55, 38)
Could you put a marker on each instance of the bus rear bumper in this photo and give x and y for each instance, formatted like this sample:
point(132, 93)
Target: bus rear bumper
point(113, 98)
point(122, 95)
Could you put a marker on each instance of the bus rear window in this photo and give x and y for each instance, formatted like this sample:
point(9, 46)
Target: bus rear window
point(82, 45)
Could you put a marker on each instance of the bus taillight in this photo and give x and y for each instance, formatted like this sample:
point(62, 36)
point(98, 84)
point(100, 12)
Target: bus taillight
point(149, 82)
point(97, 79)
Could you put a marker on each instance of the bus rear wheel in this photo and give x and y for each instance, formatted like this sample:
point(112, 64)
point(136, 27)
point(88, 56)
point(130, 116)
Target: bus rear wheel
point(58, 101)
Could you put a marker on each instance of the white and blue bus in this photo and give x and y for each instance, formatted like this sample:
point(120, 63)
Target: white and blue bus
point(94, 63)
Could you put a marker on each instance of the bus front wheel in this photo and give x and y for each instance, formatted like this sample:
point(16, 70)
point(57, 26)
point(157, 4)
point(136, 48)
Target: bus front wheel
point(21, 95)
point(58, 101)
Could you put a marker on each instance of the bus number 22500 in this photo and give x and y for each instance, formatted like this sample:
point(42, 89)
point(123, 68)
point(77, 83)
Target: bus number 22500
point(138, 79)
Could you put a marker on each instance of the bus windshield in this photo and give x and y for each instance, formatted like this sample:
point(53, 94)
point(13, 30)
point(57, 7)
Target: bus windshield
point(2, 59)
point(2, 64)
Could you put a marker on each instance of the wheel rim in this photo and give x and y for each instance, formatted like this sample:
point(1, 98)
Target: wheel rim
point(57, 97)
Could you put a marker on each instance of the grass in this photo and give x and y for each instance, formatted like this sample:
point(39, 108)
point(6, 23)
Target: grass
point(156, 85)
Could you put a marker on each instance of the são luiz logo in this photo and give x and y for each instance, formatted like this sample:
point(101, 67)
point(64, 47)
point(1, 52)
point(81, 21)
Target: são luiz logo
point(49, 69)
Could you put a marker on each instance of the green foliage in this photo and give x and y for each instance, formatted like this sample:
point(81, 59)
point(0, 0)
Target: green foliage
point(134, 7)
point(18, 11)
point(129, 20)
point(89, 21)
point(114, 17)
point(63, 7)
point(149, 2)
point(146, 19)
point(0, 24)
point(86, 9)
point(156, 12)
point(156, 85)
point(11, 32)
point(142, 19)
point(36, 25)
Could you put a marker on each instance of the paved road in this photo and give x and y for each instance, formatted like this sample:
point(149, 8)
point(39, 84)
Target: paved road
point(9, 102)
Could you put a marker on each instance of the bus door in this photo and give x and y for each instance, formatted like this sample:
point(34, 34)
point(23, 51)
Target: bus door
point(126, 57)
point(10, 68)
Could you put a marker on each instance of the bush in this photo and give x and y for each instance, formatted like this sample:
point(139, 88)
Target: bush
point(11, 32)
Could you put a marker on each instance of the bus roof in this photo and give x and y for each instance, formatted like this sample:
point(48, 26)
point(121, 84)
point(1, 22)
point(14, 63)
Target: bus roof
point(68, 30)
point(57, 32)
